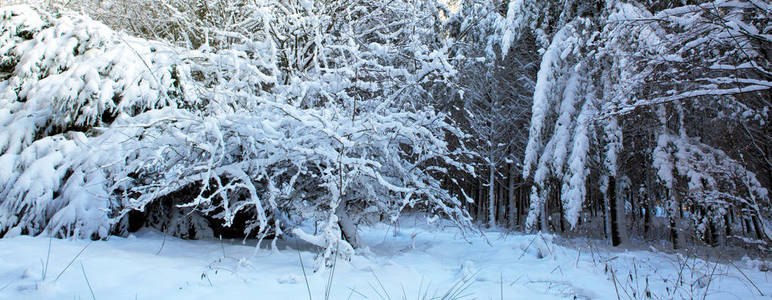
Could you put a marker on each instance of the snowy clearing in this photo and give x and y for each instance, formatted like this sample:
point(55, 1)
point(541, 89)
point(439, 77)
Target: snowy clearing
point(420, 260)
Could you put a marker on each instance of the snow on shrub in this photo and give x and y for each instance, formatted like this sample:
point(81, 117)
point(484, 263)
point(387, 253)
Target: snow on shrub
point(95, 124)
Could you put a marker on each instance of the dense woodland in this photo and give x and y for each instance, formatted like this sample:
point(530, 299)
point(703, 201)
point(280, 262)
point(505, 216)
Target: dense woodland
point(612, 119)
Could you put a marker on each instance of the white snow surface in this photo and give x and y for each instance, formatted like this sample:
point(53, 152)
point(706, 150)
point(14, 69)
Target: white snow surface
point(418, 258)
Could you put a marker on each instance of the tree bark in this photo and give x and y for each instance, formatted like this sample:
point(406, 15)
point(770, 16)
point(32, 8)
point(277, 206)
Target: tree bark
point(673, 233)
point(713, 232)
point(491, 197)
point(672, 209)
point(545, 216)
point(560, 207)
point(646, 216)
point(511, 196)
point(521, 205)
point(502, 207)
point(611, 194)
point(758, 228)
point(479, 200)
point(347, 226)
point(605, 222)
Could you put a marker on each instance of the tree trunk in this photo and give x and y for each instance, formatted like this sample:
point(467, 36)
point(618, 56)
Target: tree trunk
point(713, 233)
point(672, 209)
point(491, 197)
point(633, 208)
point(604, 208)
point(521, 205)
point(758, 228)
point(673, 233)
point(747, 226)
point(545, 216)
point(478, 199)
point(646, 216)
point(559, 202)
point(347, 226)
point(611, 194)
point(511, 196)
point(502, 201)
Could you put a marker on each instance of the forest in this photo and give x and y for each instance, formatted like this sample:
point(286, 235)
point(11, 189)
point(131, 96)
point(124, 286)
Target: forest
point(628, 122)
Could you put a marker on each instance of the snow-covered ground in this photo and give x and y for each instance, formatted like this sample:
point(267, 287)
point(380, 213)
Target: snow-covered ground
point(419, 260)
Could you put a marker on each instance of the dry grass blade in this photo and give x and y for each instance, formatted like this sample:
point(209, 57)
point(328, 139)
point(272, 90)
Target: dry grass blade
point(501, 285)
point(83, 269)
point(302, 267)
point(526, 247)
point(328, 288)
point(376, 291)
point(614, 279)
point(710, 279)
point(358, 293)
point(5, 286)
point(48, 257)
point(380, 284)
point(163, 242)
point(72, 261)
point(459, 287)
point(747, 278)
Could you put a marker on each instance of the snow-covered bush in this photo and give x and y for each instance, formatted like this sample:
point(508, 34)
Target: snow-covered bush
point(65, 75)
point(282, 165)
point(96, 124)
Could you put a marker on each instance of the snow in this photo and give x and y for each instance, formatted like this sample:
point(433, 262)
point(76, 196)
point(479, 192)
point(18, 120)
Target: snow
point(574, 189)
point(543, 98)
point(100, 123)
point(316, 128)
point(510, 24)
point(415, 259)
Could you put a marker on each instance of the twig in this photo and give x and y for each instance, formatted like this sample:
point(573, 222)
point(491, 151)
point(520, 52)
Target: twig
point(83, 269)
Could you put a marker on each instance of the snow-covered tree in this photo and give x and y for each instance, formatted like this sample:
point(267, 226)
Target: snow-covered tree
point(621, 59)
point(492, 97)
point(563, 96)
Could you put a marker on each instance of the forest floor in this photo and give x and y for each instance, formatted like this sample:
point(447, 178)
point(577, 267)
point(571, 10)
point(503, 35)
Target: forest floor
point(414, 261)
